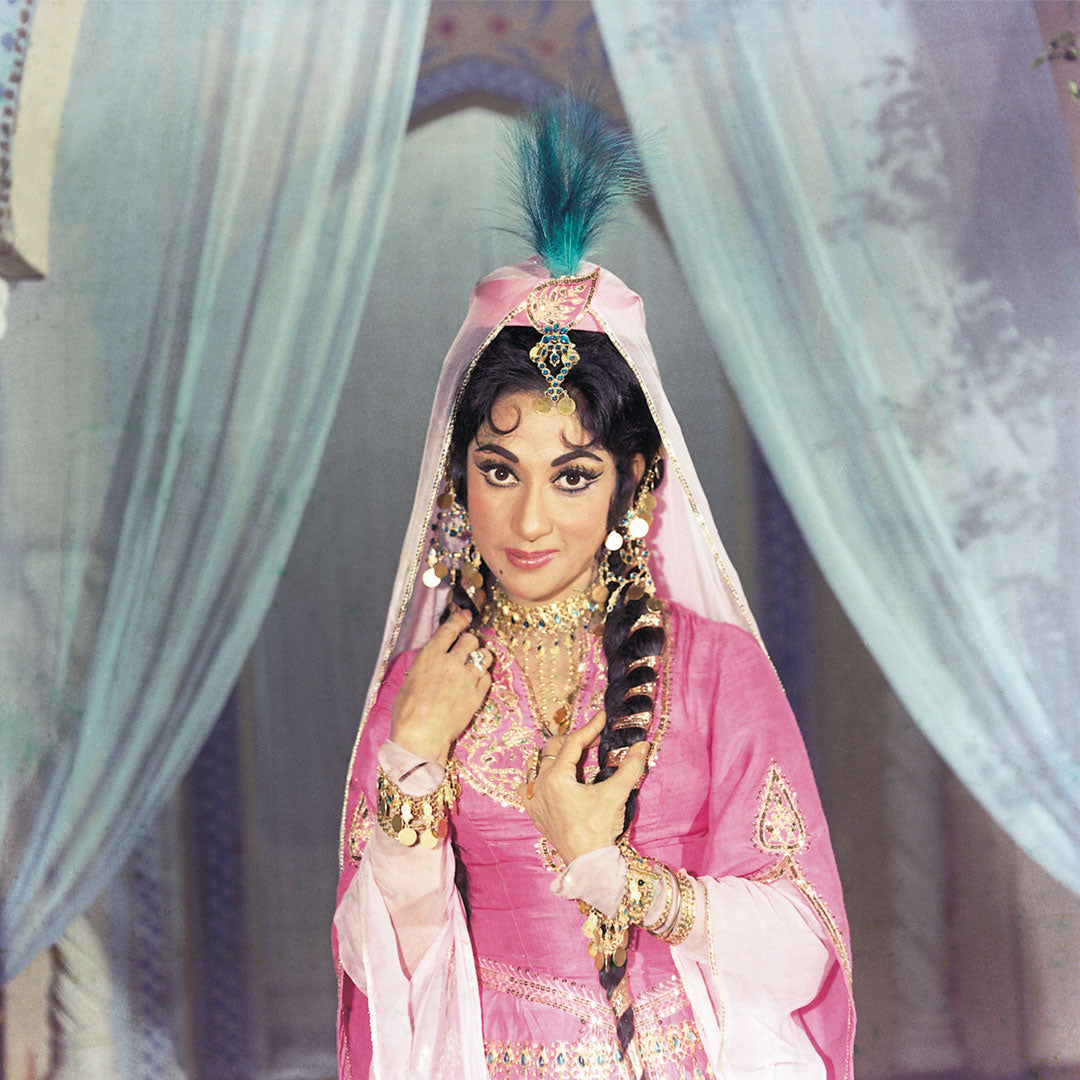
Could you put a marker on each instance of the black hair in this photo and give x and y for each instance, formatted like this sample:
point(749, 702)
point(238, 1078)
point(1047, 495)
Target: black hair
point(613, 411)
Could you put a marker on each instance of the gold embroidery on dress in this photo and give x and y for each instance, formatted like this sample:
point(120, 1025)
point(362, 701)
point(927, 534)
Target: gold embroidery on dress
point(360, 829)
point(781, 830)
point(586, 1003)
point(672, 1051)
point(496, 749)
point(780, 826)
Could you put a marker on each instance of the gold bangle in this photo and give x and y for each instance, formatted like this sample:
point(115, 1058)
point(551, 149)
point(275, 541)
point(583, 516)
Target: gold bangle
point(687, 904)
point(670, 890)
point(411, 818)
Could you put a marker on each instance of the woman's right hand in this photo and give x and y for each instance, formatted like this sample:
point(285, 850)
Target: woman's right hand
point(442, 691)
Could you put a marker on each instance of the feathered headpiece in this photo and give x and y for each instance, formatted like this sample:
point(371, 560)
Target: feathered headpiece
point(574, 169)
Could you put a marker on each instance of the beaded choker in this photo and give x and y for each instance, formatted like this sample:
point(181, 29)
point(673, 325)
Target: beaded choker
point(516, 623)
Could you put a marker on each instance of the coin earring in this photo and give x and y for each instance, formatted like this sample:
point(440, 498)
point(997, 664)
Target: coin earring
point(625, 545)
point(451, 524)
point(452, 551)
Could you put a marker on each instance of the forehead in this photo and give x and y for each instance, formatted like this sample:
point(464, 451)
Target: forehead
point(547, 433)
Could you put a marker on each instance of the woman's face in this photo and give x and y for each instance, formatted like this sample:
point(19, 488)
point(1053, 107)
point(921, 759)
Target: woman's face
point(538, 500)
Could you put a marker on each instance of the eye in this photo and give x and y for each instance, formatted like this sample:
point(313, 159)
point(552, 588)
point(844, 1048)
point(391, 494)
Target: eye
point(497, 473)
point(575, 479)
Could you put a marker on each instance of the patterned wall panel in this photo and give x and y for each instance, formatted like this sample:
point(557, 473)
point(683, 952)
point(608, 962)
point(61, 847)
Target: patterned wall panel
point(508, 53)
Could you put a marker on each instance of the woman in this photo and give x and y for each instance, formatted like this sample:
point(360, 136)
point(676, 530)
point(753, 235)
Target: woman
point(581, 837)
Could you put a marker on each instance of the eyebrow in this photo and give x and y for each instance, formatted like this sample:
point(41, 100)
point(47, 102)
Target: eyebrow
point(562, 459)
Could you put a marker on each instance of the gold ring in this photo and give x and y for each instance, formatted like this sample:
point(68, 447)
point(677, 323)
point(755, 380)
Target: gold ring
point(554, 757)
point(478, 659)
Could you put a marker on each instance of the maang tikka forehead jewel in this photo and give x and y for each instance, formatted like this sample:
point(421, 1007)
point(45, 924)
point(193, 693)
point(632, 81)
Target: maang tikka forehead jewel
point(554, 307)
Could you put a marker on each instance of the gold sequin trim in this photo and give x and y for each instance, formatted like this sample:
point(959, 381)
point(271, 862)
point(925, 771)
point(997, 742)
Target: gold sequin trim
point(663, 706)
point(360, 829)
point(638, 720)
point(645, 689)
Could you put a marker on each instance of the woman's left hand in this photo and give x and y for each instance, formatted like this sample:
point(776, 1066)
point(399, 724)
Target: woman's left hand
point(575, 817)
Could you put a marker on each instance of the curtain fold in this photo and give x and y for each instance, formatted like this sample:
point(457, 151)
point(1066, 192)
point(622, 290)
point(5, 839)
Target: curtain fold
point(881, 240)
point(222, 182)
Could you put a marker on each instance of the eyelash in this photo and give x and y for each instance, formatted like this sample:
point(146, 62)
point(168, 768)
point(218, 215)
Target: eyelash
point(587, 475)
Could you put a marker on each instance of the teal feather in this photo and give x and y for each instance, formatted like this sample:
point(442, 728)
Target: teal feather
point(574, 169)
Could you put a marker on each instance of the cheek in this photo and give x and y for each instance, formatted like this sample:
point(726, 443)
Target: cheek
point(484, 515)
point(586, 520)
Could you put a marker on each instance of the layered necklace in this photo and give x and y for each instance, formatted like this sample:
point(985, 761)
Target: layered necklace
point(539, 636)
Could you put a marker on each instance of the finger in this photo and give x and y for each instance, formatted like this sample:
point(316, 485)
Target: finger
point(630, 770)
point(447, 634)
point(547, 756)
point(576, 742)
point(464, 645)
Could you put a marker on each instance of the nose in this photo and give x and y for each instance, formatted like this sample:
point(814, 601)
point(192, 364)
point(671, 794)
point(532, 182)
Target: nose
point(532, 518)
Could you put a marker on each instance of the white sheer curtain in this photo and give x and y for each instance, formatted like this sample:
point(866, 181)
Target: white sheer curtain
point(222, 179)
point(874, 210)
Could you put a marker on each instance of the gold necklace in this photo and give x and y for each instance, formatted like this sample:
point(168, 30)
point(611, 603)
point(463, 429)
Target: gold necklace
point(537, 635)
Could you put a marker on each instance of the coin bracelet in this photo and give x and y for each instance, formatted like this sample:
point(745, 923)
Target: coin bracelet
point(409, 819)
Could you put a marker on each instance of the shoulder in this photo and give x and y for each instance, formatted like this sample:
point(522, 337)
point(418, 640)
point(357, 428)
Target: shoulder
point(723, 669)
point(696, 637)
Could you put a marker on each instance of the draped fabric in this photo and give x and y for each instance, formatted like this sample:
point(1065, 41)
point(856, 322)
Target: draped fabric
point(875, 214)
point(222, 179)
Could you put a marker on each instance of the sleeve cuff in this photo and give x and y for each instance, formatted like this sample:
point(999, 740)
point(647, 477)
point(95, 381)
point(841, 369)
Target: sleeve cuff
point(597, 877)
point(410, 772)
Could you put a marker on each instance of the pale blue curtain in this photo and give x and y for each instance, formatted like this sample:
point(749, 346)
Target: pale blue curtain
point(165, 395)
point(874, 210)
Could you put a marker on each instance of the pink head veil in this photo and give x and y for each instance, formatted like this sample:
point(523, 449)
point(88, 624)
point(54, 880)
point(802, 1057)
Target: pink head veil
point(688, 562)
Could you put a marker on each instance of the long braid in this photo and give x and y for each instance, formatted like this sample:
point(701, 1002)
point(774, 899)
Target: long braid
point(623, 645)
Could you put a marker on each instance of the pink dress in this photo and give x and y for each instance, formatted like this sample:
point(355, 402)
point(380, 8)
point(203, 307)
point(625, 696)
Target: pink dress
point(762, 986)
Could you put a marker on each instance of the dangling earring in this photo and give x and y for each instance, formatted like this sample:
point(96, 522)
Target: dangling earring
point(445, 558)
point(627, 539)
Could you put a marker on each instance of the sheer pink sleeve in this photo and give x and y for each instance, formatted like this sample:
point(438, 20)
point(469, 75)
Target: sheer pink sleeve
point(410, 1004)
point(416, 883)
point(765, 934)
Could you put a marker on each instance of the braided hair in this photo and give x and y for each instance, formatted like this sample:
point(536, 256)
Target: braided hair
point(612, 409)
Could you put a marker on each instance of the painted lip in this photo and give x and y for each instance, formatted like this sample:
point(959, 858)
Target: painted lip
point(529, 560)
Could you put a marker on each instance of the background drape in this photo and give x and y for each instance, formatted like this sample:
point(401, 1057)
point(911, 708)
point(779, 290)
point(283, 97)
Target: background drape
point(874, 210)
point(154, 470)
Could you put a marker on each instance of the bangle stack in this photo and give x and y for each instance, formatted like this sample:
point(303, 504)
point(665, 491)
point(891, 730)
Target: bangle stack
point(411, 818)
point(677, 919)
